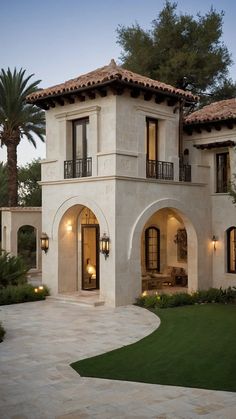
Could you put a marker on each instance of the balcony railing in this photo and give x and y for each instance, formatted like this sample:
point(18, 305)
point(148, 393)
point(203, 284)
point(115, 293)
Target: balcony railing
point(78, 168)
point(160, 170)
point(185, 173)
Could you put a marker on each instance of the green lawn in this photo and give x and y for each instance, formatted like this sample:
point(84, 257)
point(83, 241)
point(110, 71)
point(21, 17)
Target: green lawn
point(195, 346)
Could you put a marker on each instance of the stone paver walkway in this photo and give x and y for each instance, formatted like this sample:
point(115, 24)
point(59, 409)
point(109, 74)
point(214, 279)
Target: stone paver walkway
point(36, 381)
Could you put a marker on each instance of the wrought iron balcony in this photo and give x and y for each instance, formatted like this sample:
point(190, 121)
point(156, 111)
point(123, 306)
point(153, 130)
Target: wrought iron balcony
point(78, 168)
point(160, 170)
point(185, 173)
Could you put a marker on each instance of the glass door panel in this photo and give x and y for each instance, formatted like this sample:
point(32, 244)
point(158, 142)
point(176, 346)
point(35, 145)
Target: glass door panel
point(90, 257)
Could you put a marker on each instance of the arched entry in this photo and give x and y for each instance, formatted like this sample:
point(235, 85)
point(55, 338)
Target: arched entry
point(164, 253)
point(174, 208)
point(27, 245)
point(78, 250)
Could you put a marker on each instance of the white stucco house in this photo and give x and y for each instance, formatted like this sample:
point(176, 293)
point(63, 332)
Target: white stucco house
point(121, 162)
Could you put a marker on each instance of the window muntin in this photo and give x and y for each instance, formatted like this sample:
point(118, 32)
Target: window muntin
point(222, 172)
point(152, 248)
point(231, 249)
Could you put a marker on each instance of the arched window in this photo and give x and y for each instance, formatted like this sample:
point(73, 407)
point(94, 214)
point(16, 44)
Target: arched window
point(26, 245)
point(152, 248)
point(231, 250)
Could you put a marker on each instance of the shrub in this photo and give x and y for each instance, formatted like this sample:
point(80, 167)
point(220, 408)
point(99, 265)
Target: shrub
point(181, 299)
point(12, 270)
point(2, 333)
point(213, 295)
point(22, 293)
point(150, 301)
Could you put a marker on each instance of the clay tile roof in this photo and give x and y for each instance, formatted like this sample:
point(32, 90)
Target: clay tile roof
point(106, 75)
point(217, 111)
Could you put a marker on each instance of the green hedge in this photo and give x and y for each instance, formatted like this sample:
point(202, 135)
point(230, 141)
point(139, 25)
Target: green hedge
point(213, 295)
point(22, 293)
point(2, 333)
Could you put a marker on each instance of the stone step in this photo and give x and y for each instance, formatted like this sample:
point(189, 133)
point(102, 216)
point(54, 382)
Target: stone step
point(92, 301)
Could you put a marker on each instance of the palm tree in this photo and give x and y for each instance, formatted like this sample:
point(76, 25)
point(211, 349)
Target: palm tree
point(17, 119)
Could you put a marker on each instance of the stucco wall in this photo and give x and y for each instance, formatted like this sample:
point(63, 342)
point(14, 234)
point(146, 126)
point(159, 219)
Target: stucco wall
point(121, 197)
point(12, 220)
point(223, 213)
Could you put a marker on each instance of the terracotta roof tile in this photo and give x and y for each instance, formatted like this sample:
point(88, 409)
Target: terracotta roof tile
point(217, 111)
point(107, 74)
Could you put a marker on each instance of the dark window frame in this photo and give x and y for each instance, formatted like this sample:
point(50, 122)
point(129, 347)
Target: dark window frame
point(147, 247)
point(229, 244)
point(155, 121)
point(222, 173)
point(84, 122)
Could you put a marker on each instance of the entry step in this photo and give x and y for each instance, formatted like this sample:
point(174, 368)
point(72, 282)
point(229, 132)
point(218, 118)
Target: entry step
point(86, 300)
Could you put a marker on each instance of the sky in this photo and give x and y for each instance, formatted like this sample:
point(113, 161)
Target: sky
point(60, 39)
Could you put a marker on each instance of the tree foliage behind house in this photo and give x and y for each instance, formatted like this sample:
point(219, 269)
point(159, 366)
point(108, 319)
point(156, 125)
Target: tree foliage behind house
point(17, 120)
point(181, 50)
point(29, 190)
point(30, 194)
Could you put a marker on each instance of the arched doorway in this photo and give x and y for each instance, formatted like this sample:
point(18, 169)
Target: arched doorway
point(27, 245)
point(78, 246)
point(171, 208)
point(164, 252)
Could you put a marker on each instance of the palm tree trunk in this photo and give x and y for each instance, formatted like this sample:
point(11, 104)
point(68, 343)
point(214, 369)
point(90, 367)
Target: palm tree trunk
point(12, 173)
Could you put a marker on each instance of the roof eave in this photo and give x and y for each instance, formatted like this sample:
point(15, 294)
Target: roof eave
point(198, 126)
point(167, 94)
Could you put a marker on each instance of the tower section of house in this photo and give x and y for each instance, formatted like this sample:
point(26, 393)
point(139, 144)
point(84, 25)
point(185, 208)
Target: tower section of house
point(209, 142)
point(115, 169)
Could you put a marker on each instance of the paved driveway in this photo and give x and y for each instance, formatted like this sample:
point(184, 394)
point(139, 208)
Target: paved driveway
point(43, 338)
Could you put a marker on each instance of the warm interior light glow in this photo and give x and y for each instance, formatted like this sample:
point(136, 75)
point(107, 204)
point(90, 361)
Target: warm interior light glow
point(144, 293)
point(36, 290)
point(90, 268)
point(41, 288)
point(69, 227)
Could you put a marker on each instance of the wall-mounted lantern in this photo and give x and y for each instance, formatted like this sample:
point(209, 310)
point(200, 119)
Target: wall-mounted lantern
point(44, 242)
point(105, 245)
point(214, 241)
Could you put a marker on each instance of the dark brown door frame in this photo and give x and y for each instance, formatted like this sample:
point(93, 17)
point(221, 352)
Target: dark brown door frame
point(83, 227)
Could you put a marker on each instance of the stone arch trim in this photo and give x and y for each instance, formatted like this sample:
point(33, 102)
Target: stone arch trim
point(85, 202)
point(150, 210)
point(192, 231)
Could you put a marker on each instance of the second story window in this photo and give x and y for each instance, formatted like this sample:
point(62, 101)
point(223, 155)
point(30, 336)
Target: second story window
point(80, 138)
point(155, 168)
point(81, 164)
point(222, 172)
point(152, 138)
